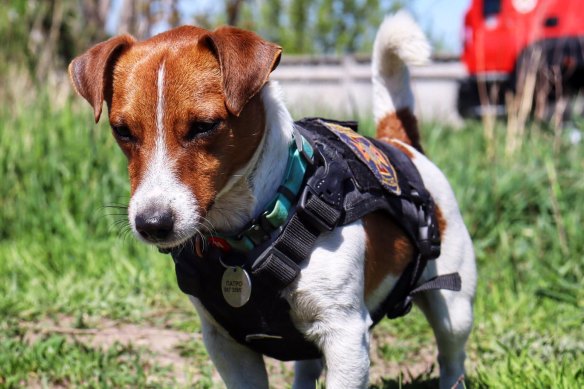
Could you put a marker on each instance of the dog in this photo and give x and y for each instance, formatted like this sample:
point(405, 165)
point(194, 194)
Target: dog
point(206, 133)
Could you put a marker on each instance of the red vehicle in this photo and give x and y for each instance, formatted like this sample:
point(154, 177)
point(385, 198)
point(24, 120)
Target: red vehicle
point(500, 36)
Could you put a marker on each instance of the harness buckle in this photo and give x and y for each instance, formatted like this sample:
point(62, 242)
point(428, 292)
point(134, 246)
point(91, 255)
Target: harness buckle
point(308, 214)
point(275, 268)
point(257, 233)
point(428, 238)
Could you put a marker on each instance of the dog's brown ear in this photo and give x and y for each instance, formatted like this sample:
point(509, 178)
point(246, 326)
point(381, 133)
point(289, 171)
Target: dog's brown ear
point(90, 73)
point(246, 62)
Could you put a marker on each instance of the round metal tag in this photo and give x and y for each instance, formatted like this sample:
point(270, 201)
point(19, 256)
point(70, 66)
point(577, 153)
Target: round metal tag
point(236, 286)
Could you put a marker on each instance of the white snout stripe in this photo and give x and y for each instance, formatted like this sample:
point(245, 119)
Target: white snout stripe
point(160, 187)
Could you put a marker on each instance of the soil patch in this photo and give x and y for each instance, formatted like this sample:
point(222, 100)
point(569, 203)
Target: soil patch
point(175, 350)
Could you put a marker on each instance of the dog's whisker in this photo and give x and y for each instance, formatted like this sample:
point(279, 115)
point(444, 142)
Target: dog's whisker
point(120, 215)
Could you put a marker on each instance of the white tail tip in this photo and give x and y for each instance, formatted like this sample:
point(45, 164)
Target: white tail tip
point(399, 41)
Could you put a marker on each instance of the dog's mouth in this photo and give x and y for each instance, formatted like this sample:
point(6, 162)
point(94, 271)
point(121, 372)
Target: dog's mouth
point(167, 247)
point(167, 244)
point(196, 242)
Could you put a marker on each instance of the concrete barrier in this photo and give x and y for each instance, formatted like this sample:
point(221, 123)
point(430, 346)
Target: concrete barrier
point(341, 87)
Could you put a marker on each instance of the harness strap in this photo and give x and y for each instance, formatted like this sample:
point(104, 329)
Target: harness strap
point(279, 265)
point(319, 209)
point(450, 281)
point(399, 304)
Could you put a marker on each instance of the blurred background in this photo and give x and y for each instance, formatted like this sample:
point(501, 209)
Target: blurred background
point(82, 304)
point(326, 43)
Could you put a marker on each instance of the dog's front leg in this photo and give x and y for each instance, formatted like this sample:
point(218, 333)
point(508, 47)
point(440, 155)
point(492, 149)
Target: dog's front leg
point(345, 346)
point(238, 366)
point(329, 307)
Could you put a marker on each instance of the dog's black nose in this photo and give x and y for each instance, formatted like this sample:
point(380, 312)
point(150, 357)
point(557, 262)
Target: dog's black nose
point(155, 225)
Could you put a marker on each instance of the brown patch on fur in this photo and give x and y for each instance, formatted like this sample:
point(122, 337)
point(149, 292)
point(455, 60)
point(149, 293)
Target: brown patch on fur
point(440, 220)
point(387, 251)
point(401, 125)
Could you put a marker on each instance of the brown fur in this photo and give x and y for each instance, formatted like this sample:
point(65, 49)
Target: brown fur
point(90, 73)
point(387, 252)
point(401, 125)
point(440, 220)
point(246, 63)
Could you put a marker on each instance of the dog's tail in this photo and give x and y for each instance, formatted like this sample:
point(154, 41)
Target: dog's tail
point(399, 42)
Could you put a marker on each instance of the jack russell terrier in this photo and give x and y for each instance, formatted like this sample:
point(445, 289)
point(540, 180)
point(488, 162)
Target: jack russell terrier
point(292, 239)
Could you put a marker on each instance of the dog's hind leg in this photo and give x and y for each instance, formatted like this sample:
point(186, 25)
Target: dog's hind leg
point(450, 315)
point(306, 373)
point(238, 366)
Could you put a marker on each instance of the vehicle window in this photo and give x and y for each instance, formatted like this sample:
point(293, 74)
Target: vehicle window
point(491, 8)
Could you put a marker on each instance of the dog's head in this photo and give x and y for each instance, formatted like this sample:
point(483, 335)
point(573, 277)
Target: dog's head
point(185, 110)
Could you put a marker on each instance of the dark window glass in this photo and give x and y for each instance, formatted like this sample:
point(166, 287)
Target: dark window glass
point(491, 7)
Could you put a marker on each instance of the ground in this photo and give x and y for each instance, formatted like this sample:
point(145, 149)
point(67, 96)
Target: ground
point(181, 356)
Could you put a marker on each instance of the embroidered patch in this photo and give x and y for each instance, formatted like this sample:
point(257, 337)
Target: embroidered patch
point(370, 155)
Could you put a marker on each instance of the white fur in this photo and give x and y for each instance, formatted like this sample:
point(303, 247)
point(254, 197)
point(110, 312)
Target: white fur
point(380, 293)
point(161, 136)
point(238, 366)
point(160, 188)
point(399, 42)
point(269, 171)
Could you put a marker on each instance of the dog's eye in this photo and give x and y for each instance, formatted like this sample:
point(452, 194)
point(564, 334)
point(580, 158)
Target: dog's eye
point(123, 133)
point(200, 128)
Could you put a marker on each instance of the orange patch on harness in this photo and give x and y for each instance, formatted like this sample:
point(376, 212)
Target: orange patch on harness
point(371, 156)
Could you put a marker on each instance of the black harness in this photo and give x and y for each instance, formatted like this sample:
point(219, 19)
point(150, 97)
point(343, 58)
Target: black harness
point(342, 185)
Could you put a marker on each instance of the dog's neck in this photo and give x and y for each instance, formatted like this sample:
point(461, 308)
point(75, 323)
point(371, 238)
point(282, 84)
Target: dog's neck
point(252, 188)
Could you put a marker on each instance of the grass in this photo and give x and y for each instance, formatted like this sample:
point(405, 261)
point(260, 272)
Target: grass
point(64, 254)
point(56, 361)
